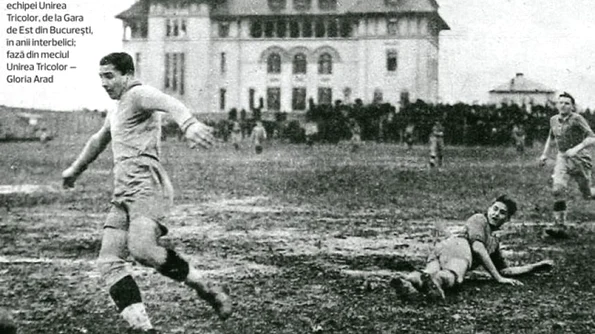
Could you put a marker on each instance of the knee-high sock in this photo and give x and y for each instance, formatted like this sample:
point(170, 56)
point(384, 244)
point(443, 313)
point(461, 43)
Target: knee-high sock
point(126, 295)
point(560, 212)
point(174, 267)
point(124, 292)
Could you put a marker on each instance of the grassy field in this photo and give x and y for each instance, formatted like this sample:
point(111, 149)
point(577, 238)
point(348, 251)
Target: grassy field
point(307, 239)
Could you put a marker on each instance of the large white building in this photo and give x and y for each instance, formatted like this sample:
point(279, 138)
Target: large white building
point(222, 54)
point(522, 92)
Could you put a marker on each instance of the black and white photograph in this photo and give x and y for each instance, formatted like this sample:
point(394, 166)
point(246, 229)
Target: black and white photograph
point(297, 166)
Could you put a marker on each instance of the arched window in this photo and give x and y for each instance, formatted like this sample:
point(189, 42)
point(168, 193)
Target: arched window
point(274, 63)
point(302, 5)
point(300, 64)
point(277, 5)
point(325, 64)
point(256, 29)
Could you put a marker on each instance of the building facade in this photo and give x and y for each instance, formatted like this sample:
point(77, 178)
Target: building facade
point(522, 92)
point(281, 54)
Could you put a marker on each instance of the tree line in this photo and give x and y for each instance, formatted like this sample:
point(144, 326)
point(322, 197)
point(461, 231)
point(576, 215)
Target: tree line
point(464, 124)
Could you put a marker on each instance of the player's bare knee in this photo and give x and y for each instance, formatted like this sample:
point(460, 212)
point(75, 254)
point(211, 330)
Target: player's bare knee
point(142, 241)
point(142, 251)
point(111, 270)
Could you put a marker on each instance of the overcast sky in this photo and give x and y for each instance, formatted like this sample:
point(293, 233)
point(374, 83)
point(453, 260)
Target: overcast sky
point(550, 41)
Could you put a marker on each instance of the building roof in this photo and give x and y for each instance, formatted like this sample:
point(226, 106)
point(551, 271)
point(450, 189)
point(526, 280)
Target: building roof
point(139, 9)
point(383, 6)
point(520, 84)
point(261, 7)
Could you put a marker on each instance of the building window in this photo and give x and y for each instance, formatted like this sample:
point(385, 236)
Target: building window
point(327, 4)
point(136, 29)
point(175, 64)
point(269, 29)
point(175, 27)
point(378, 97)
point(325, 64)
point(223, 65)
point(222, 93)
point(137, 64)
point(256, 29)
point(277, 5)
point(404, 98)
point(347, 95)
point(333, 28)
point(320, 29)
point(144, 29)
point(274, 98)
point(224, 29)
point(300, 64)
point(251, 96)
point(391, 61)
point(274, 63)
point(346, 28)
point(392, 26)
point(302, 5)
point(307, 28)
point(294, 29)
point(281, 28)
point(167, 81)
point(325, 95)
point(298, 98)
point(175, 73)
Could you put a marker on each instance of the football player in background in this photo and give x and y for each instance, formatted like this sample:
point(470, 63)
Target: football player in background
point(573, 136)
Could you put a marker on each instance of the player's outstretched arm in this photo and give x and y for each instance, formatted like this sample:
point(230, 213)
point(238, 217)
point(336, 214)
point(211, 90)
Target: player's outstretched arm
point(479, 248)
point(528, 268)
point(198, 133)
point(195, 131)
point(94, 146)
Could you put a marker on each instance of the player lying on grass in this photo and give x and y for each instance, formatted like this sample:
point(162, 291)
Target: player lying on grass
point(143, 192)
point(477, 245)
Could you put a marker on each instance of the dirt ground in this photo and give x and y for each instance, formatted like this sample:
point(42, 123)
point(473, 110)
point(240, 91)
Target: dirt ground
point(306, 238)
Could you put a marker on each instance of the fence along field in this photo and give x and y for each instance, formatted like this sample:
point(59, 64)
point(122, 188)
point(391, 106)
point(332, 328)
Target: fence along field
point(306, 238)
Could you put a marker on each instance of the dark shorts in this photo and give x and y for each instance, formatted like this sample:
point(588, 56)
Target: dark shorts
point(258, 149)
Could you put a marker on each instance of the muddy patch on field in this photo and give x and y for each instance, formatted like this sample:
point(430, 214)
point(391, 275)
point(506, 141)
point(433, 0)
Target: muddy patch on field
point(355, 236)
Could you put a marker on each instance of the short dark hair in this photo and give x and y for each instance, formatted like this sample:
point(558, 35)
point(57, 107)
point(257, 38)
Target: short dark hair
point(121, 61)
point(510, 204)
point(565, 94)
